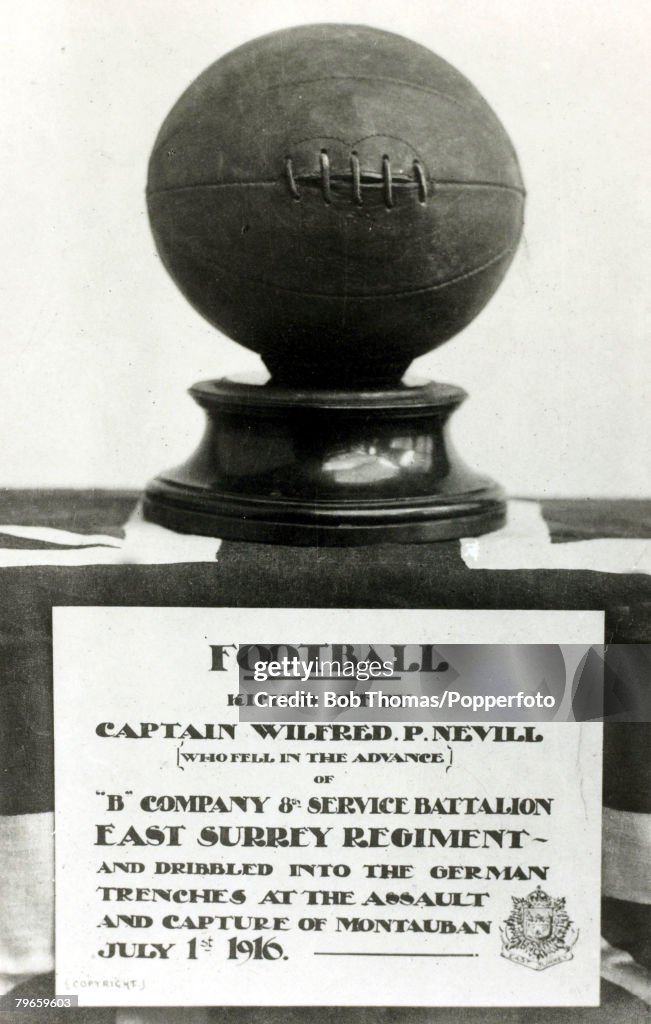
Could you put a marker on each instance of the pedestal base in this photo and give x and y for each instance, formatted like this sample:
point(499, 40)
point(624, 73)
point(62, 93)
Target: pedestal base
point(333, 467)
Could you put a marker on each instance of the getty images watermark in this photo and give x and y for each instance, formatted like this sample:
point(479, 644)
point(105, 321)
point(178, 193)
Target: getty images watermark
point(318, 695)
point(414, 682)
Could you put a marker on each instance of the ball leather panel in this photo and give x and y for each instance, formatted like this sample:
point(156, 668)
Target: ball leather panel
point(245, 135)
point(338, 249)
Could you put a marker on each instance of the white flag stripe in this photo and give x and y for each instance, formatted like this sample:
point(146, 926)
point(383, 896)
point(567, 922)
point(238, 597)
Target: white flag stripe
point(626, 855)
point(621, 969)
point(525, 543)
point(144, 544)
point(51, 535)
point(26, 897)
point(12, 558)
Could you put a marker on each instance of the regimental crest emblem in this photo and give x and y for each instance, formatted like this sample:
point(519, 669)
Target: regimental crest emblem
point(538, 932)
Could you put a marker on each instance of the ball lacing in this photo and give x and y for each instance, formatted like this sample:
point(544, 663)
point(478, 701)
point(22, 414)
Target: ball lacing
point(386, 179)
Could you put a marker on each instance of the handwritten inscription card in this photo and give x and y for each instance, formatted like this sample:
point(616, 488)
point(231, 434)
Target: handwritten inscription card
point(206, 859)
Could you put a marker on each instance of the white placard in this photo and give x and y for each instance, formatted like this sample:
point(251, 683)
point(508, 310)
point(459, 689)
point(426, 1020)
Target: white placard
point(200, 861)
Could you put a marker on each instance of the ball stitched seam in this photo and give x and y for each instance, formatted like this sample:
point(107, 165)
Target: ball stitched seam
point(439, 183)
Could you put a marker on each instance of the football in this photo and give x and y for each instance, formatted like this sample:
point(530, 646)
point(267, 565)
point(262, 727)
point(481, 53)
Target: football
point(336, 198)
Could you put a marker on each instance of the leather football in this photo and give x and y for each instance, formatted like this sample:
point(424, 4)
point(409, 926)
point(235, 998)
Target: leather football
point(336, 198)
